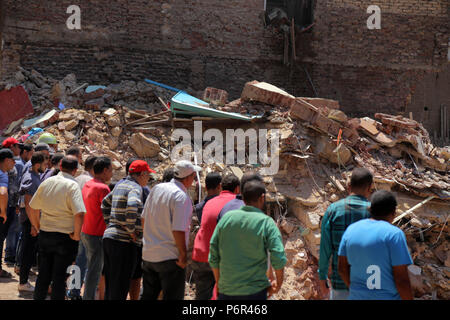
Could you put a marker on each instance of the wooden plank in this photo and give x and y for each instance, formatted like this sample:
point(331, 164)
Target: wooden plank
point(333, 180)
point(153, 122)
point(417, 206)
point(163, 103)
point(293, 39)
point(148, 118)
point(203, 118)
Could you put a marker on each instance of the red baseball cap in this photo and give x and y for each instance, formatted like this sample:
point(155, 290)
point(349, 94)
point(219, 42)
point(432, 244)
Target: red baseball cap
point(140, 166)
point(10, 142)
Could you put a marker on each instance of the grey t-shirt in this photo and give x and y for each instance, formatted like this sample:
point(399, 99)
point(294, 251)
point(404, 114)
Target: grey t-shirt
point(168, 208)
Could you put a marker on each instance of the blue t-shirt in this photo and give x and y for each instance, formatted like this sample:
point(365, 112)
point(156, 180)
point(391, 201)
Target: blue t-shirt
point(372, 248)
point(29, 185)
point(3, 179)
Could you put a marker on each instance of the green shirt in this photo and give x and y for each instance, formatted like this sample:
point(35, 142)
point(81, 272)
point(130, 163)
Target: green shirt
point(239, 247)
point(337, 218)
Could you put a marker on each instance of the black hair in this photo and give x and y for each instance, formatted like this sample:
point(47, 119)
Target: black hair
point(25, 147)
point(253, 191)
point(69, 164)
point(230, 182)
point(212, 180)
point(89, 163)
point(168, 174)
point(129, 162)
point(361, 178)
point(382, 203)
point(250, 176)
point(56, 158)
point(112, 185)
point(73, 151)
point(6, 153)
point(101, 163)
point(37, 157)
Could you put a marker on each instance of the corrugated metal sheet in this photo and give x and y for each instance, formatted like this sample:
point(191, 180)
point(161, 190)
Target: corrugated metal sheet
point(14, 104)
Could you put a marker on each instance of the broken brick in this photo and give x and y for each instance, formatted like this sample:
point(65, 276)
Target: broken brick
point(266, 93)
point(215, 96)
point(302, 110)
point(322, 103)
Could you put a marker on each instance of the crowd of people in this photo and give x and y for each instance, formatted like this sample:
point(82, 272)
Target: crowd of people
point(123, 234)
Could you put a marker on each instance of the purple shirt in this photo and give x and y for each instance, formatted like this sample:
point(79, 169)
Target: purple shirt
point(234, 204)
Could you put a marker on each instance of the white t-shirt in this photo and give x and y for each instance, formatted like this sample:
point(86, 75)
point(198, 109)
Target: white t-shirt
point(168, 208)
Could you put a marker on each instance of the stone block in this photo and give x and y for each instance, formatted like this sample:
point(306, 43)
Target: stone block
point(144, 146)
point(215, 96)
point(70, 124)
point(322, 103)
point(302, 110)
point(266, 93)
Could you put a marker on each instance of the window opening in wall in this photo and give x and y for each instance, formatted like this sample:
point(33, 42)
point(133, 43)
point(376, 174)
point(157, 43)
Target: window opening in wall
point(282, 12)
point(290, 18)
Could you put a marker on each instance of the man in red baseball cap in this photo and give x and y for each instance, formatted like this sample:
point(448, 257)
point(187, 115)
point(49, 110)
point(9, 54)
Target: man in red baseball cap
point(12, 144)
point(122, 238)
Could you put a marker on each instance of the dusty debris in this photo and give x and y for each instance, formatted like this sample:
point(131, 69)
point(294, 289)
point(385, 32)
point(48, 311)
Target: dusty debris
point(319, 146)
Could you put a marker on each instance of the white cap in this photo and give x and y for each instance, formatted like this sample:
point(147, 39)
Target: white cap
point(184, 168)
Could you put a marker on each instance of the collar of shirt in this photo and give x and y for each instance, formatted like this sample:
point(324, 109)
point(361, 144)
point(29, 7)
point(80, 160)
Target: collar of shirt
point(66, 175)
point(33, 173)
point(358, 196)
point(179, 184)
point(132, 179)
point(226, 192)
point(85, 173)
point(251, 209)
point(98, 180)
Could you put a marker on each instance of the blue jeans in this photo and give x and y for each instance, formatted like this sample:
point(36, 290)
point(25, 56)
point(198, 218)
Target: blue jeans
point(4, 228)
point(94, 255)
point(81, 262)
point(339, 294)
point(13, 235)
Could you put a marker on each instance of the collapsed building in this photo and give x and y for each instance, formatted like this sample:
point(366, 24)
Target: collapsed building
point(319, 146)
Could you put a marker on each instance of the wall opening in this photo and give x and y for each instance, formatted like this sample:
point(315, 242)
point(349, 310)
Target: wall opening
point(301, 10)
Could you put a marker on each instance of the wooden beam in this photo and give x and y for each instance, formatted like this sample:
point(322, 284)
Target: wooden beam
point(148, 118)
point(417, 206)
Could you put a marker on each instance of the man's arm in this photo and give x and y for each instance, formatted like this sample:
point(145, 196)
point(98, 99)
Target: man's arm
point(277, 256)
point(344, 270)
point(401, 279)
point(216, 273)
point(276, 285)
point(3, 202)
point(33, 215)
point(180, 242)
point(325, 253)
point(106, 207)
point(78, 223)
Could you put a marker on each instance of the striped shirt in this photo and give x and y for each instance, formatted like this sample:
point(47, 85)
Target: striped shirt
point(122, 209)
point(336, 219)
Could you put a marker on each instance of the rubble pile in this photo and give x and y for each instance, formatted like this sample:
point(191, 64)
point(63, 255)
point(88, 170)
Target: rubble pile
point(319, 146)
point(46, 92)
